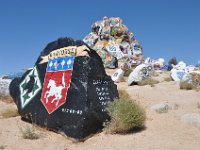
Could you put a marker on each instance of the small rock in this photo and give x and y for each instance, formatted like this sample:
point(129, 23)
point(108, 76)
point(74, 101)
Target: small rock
point(160, 108)
point(191, 118)
point(164, 107)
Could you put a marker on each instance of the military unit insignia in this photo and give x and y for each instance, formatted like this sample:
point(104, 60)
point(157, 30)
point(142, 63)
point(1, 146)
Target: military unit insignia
point(57, 82)
point(29, 87)
point(180, 74)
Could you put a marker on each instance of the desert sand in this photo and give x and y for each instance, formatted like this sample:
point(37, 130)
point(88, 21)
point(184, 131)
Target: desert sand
point(163, 131)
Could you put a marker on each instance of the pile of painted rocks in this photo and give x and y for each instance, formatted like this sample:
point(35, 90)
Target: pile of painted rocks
point(114, 43)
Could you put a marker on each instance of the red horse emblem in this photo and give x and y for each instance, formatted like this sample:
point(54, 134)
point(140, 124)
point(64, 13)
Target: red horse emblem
point(57, 82)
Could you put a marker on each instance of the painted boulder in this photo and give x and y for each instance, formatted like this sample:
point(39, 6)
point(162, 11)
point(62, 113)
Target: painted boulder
point(4, 87)
point(118, 75)
point(179, 71)
point(66, 91)
point(111, 38)
point(140, 73)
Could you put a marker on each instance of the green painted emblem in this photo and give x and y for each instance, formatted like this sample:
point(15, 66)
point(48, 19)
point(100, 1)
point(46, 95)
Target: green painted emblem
point(29, 87)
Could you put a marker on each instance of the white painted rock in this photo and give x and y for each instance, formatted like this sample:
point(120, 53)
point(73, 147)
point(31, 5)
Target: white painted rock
point(4, 87)
point(160, 62)
point(178, 71)
point(181, 72)
point(148, 60)
point(180, 66)
point(177, 75)
point(140, 73)
point(118, 75)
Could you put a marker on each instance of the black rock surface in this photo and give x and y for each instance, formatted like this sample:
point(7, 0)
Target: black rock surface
point(90, 90)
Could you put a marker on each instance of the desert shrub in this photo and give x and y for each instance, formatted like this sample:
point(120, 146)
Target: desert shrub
point(196, 79)
point(148, 81)
point(6, 99)
point(168, 79)
point(30, 133)
point(2, 147)
point(198, 105)
point(124, 95)
point(193, 84)
point(187, 86)
point(126, 115)
point(10, 112)
point(127, 72)
point(155, 74)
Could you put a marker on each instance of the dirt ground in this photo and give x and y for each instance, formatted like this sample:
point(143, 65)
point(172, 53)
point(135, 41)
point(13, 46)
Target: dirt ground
point(164, 131)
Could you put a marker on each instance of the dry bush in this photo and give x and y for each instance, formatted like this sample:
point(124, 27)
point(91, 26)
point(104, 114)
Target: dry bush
point(187, 86)
point(168, 79)
point(124, 95)
point(198, 105)
point(9, 112)
point(2, 147)
point(30, 133)
point(196, 79)
point(125, 114)
point(128, 72)
point(193, 84)
point(155, 74)
point(148, 81)
point(6, 99)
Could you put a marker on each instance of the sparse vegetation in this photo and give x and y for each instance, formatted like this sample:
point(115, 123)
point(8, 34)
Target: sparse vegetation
point(148, 81)
point(187, 86)
point(123, 79)
point(6, 99)
point(198, 105)
point(193, 84)
point(127, 73)
point(2, 147)
point(196, 79)
point(30, 133)
point(125, 114)
point(168, 79)
point(124, 95)
point(155, 74)
point(9, 112)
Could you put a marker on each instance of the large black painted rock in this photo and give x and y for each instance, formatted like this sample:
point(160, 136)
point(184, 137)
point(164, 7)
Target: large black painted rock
point(66, 94)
